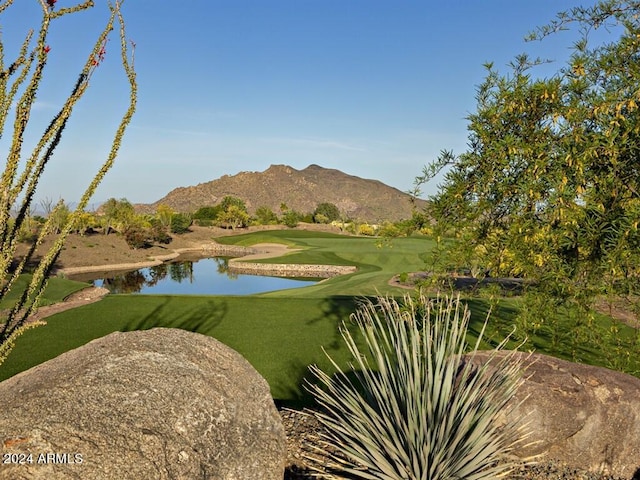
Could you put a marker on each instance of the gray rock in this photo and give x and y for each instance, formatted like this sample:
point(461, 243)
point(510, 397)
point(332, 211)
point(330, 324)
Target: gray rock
point(155, 404)
point(585, 417)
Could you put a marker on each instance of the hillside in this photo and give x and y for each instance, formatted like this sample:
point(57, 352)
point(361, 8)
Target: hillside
point(301, 190)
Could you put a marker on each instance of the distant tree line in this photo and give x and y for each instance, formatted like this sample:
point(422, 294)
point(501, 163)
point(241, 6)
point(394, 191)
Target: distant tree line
point(118, 216)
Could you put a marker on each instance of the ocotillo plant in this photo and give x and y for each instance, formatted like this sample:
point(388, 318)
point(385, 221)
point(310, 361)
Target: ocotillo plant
point(21, 79)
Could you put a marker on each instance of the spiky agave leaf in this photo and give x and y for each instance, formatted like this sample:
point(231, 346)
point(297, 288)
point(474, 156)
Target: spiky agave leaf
point(415, 408)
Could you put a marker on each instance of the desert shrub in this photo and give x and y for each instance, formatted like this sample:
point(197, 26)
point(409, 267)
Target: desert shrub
point(266, 216)
point(229, 201)
point(320, 218)
point(180, 223)
point(291, 218)
point(207, 213)
point(164, 214)
point(410, 407)
point(28, 232)
point(233, 217)
point(138, 237)
point(159, 234)
point(366, 229)
point(306, 217)
point(389, 230)
point(84, 222)
point(326, 213)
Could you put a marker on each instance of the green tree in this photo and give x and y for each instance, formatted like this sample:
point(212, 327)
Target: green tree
point(204, 214)
point(233, 217)
point(21, 81)
point(326, 213)
point(291, 218)
point(117, 215)
point(233, 213)
point(180, 223)
point(266, 216)
point(59, 217)
point(84, 222)
point(164, 214)
point(230, 201)
point(549, 188)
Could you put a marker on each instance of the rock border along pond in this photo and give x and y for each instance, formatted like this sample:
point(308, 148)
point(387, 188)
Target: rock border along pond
point(265, 250)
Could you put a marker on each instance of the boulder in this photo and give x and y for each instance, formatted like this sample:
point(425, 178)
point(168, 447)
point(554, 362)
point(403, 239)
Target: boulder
point(161, 404)
point(583, 416)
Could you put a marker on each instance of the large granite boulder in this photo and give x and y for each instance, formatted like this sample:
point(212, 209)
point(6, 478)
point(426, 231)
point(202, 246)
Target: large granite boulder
point(585, 417)
point(161, 404)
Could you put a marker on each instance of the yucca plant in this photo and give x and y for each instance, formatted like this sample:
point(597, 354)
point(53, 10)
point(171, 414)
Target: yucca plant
point(411, 406)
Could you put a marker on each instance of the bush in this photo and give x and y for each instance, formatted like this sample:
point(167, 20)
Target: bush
point(291, 218)
point(180, 223)
point(137, 237)
point(265, 216)
point(326, 213)
point(366, 229)
point(207, 213)
point(160, 235)
point(306, 218)
point(411, 408)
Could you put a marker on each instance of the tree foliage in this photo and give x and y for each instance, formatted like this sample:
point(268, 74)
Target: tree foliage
point(326, 213)
point(118, 215)
point(549, 188)
point(265, 216)
point(180, 223)
point(21, 79)
point(233, 213)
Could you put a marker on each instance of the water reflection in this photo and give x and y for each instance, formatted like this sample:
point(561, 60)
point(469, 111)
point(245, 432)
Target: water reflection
point(207, 276)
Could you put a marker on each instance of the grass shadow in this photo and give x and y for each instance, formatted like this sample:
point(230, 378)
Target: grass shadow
point(197, 317)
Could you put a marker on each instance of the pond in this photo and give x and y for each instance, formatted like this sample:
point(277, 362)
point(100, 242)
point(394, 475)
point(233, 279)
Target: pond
point(205, 276)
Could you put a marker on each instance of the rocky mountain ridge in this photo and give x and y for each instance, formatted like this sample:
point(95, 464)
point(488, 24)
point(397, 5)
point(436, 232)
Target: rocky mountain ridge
point(300, 190)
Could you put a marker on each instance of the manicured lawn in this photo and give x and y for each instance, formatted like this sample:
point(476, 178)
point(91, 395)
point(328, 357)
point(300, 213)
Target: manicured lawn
point(377, 262)
point(280, 338)
point(57, 289)
point(281, 333)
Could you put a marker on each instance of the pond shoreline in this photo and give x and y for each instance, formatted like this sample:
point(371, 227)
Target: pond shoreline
point(258, 251)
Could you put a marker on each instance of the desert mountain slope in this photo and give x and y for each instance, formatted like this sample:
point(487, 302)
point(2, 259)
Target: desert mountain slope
point(300, 190)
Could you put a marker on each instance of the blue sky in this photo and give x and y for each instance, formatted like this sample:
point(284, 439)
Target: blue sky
point(374, 88)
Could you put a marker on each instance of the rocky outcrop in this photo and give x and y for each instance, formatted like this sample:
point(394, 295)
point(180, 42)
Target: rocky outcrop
point(585, 417)
point(161, 403)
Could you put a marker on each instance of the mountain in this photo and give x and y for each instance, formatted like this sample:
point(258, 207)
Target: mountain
point(300, 190)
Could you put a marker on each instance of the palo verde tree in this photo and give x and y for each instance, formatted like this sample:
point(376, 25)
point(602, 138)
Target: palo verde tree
point(549, 188)
point(21, 79)
point(233, 213)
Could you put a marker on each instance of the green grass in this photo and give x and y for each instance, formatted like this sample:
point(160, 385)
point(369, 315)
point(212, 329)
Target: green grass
point(57, 289)
point(281, 333)
point(279, 338)
point(377, 263)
